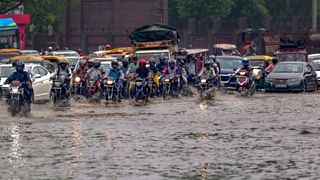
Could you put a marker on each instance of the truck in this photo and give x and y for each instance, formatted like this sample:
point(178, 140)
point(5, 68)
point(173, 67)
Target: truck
point(155, 41)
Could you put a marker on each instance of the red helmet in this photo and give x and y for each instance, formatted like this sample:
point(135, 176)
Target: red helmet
point(142, 63)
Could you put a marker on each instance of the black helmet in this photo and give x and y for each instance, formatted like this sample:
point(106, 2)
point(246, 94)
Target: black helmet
point(152, 60)
point(172, 62)
point(274, 60)
point(63, 63)
point(19, 66)
point(90, 63)
point(96, 63)
point(114, 63)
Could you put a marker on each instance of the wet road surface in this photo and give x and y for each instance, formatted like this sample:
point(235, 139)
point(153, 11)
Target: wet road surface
point(268, 136)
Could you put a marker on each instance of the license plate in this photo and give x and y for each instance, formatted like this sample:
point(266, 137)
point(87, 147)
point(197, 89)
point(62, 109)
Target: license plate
point(280, 85)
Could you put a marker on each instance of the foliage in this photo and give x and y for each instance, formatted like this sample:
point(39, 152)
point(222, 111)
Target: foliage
point(204, 8)
point(45, 12)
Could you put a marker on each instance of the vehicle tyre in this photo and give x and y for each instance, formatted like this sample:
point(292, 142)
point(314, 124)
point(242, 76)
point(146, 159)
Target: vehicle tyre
point(14, 107)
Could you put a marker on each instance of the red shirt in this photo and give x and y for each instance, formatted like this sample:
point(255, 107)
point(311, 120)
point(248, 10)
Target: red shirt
point(270, 67)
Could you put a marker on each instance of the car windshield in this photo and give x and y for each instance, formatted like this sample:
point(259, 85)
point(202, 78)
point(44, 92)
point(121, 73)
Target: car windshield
point(105, 66)
point(156, 56)
point(257, 63)
point(291, 57)
point(6, 71)
point(288, 68)
point(72, 61)
point(316, 65)
point(67, 54)
point(29, 53)
point(229, 63)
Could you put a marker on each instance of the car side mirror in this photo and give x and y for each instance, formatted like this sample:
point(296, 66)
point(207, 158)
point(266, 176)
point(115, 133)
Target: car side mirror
point(37, 76)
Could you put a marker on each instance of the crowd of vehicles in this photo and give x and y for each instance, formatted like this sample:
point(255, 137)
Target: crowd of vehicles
point(155, 67)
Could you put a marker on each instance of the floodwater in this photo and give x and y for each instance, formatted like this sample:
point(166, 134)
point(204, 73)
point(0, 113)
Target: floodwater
point(268, 136)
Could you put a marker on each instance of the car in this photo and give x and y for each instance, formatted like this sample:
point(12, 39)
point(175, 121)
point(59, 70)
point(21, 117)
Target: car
point(72, 56)
point(29, 53)
point(291, 76)
point(229, 64)
point(40, 80)
point(316, 67)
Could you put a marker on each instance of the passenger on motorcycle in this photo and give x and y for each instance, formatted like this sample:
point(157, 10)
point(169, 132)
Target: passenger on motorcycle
point(183, 72)
point(115, 73)
point(131, 73)
point(125, 65)
point(172, 70)
point(154, 71)
point(208, 73)
point(24, 78)
point(215, 64)
point(63, 73)
point(95, 70)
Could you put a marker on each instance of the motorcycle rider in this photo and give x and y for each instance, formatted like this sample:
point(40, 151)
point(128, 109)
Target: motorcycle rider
point(24, 78)
point(154, 73)
point(131, 72)
point(90, 63)
point(208, 73)
point(272, 65)
point(81, 72)
point(247, 68)
point(125, 65)
point(182, 71)
point(162, 64)
point(144, 73)
point(63, 73)
point(115, 73)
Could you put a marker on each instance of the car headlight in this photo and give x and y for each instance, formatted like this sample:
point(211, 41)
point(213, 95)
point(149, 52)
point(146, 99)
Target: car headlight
point(295, 80)
point(203, 80)
point(77, 79)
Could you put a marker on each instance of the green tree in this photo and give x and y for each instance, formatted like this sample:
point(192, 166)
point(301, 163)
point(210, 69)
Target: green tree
point(254, 10)
point(45, 12)
point(204, 8)
point(9, 5)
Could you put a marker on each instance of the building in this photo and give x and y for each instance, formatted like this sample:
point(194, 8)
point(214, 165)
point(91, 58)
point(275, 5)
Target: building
point(95, 22)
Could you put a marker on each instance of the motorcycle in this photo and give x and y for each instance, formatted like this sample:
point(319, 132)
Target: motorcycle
point(59, 91)
point(112, 92)
point(141, 92)
point(170, 87)
point(17, 102)
point(78, 89)
point(94, 88)
point(245, 86)
point(154, 86)
point(205, 89)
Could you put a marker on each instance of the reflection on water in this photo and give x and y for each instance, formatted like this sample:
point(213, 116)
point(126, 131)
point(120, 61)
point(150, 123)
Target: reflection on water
point(15, 146)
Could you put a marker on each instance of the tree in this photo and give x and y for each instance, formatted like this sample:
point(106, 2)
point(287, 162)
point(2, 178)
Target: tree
point(204, 8)
point(9, 5)
point(45, 12)
point(254, 10)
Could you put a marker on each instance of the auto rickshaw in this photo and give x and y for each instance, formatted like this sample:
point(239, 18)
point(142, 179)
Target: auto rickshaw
point(259, 63)
point(54, 61)
point(6, 54)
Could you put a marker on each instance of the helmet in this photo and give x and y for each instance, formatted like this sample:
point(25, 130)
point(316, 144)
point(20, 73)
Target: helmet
point(245, 62)
point(162, 59)
point(83, 63)
point(63, 63)
point(96, 63)
point(172, 62)
point(142, 63)
point(212, 57)
point(114, 64)
point(50, 48)
point(90, 63)
point(152, 60)
point(19, 66)
point(125, 59)
point(274, 60)
point(208, 62)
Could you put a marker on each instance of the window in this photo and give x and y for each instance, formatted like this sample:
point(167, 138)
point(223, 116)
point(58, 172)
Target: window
point(36, 70)
point(42, 71)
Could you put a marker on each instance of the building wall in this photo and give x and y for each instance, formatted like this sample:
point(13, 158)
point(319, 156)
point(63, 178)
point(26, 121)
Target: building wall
point(109, 21)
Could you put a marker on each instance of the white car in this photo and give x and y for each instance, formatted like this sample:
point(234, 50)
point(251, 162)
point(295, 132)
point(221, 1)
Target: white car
point(315, 64)
point(40, 76)
point(72, 56)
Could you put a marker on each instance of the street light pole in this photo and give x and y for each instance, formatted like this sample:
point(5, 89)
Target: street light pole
point(314, 15)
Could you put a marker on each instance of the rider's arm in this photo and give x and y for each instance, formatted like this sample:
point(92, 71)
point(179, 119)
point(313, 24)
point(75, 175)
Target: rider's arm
point(121, 75)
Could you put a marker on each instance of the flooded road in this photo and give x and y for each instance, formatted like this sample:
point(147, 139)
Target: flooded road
point(269, 136)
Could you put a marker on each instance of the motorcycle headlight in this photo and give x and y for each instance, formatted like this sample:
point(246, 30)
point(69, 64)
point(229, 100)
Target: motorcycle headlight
point(15, 89)
point(242, 73)
point(203, 80)
point(109, 82)
point(166, 80)
point(77, 79)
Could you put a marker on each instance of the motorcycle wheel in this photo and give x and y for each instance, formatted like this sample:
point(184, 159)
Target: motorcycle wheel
point(164, 93)
point(26, 109)
point(14, 107)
